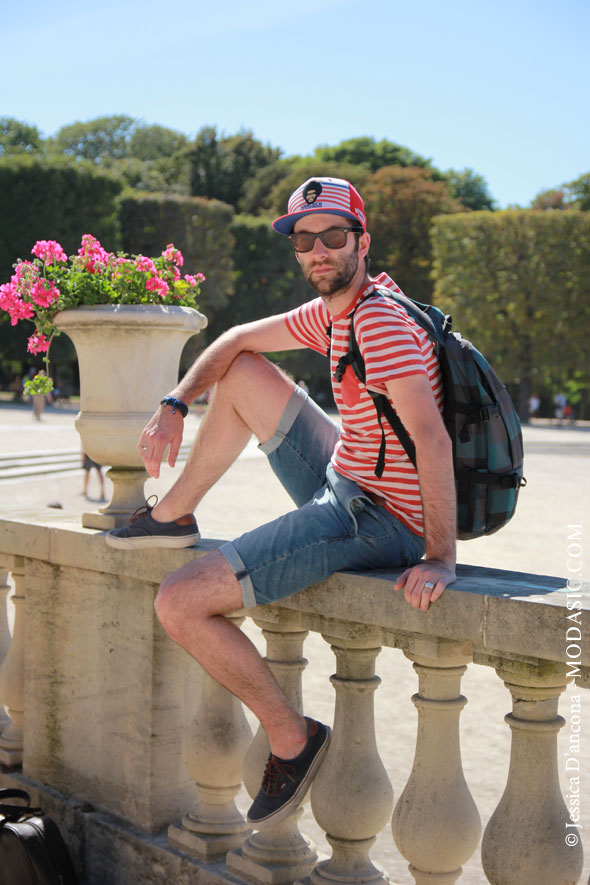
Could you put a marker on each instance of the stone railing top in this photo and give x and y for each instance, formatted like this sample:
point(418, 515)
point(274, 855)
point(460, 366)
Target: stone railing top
point(496, 612)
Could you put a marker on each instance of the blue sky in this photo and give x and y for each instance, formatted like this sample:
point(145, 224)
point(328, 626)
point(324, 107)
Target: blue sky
point(500, 87)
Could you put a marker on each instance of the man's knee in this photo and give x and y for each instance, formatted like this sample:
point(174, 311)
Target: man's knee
point(167, 603)
point(199, 590)
point(249, 370)
point(178, 601)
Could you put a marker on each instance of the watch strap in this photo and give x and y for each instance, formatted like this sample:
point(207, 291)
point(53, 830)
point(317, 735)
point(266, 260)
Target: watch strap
point(175, 404)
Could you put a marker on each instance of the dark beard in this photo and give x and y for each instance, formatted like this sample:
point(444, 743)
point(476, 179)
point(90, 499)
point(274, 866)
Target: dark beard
point(340, 280)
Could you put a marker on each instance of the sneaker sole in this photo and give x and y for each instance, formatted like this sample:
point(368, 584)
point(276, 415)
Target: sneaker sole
point(152, 541)
point(299, 795)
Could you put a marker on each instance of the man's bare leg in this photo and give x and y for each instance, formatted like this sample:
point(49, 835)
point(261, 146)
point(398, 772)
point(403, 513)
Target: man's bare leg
point(250, 398)
point(190, 605)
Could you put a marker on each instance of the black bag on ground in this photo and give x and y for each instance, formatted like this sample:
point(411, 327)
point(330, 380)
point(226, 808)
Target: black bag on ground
point(32, 850)
point(478, 414)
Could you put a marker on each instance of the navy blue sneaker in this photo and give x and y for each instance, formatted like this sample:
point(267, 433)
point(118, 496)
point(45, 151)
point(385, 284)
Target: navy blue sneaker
point(286, 781)
point(144, 531)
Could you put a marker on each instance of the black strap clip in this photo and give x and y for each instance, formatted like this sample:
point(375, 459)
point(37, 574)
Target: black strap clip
point(343, 362)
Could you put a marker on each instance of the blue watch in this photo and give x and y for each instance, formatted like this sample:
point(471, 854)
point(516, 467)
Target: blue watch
point(176, 404)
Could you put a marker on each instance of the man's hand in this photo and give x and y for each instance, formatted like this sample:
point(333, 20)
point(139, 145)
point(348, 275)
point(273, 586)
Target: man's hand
point(164, 428)
point(425, 582)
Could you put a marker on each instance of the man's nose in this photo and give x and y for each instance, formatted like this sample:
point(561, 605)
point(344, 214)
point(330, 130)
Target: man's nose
point(319, 248)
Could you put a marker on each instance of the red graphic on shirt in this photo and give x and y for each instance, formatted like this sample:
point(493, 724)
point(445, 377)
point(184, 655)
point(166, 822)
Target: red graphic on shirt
point(350, 389)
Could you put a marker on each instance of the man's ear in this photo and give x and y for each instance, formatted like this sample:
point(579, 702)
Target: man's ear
point(364, 244)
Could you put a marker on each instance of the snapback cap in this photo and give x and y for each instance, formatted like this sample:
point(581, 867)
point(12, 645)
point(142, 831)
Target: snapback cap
point(332, 195)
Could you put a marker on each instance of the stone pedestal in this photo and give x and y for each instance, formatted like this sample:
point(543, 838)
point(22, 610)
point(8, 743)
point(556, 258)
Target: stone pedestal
point(436, 823)
point(351, 796)
point(128, 355)
point(12, 671)
point(529, 836)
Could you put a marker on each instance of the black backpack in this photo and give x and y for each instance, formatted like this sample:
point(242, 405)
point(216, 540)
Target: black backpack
point(32, 851)
point(479, 416)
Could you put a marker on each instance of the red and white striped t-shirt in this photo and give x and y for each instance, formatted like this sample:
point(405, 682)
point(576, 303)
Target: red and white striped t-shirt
point(393, 346)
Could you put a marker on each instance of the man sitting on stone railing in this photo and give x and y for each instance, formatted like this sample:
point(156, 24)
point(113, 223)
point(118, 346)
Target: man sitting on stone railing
point(347, 518)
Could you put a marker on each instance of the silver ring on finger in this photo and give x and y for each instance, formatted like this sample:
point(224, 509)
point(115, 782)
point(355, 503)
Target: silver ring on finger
point(428, 585)
point(144, 448)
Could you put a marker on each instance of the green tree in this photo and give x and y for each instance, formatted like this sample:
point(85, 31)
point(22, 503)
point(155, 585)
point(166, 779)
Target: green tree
point(152, 142)
point(18, 137)
point(369, 153)
point(570, 195)
point(518, 284)
point(471, 188)
point(100, 140)
point(221, 165)
point(401, 204)
point(579, 192)
point(256, 194)
point(147, 157)
point(554, 198)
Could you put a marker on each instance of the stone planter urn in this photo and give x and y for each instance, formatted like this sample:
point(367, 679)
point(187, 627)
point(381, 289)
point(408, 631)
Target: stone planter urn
point(128, 357)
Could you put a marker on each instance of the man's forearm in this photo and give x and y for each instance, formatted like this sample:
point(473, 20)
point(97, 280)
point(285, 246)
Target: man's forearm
point(437, 489)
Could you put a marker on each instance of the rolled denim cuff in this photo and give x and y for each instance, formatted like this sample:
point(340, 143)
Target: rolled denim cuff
point(235, 562)
point(292, 409)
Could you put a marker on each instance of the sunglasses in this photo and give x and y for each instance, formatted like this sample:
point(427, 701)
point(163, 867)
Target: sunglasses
point(333, 238)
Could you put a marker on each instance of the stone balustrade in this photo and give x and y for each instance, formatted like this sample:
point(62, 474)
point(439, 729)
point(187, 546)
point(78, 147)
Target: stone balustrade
point(140, 756)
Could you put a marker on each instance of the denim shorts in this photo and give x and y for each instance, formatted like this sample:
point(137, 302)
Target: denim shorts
point(336, 526)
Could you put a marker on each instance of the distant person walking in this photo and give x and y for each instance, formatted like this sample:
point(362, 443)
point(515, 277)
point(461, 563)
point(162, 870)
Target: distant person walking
point(17, 389)
point(87, 465)
point(560, 403)
point(534, 403)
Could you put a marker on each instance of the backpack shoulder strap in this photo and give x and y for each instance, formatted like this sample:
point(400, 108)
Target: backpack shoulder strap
point(383, 407)
point(435, 323)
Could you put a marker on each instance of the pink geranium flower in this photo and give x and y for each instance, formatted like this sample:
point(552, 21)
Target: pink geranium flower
point(193, 280)
point(38, 344)
point(49, 251)
point(171, 253)
point(52, 281)
point(25, 275)
point(94, 253)
point(145, 265)
point(16, 308)
point(155, 284)
point(44, 294)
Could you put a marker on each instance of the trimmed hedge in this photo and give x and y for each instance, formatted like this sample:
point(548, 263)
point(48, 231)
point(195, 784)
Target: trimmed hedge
point(518, 284)
point(53, 198)
point(200, 228)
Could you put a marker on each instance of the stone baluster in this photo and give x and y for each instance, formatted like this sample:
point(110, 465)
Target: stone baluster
point(214, 748)
point(351, 796)
point(12, 671)
point(436, 824)
point(280, 853)
point(530, 837)
point(5, 637)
